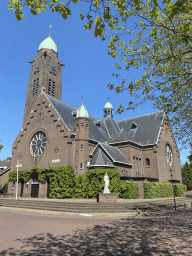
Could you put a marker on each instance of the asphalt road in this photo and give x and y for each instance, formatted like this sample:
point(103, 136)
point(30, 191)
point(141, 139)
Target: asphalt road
point(31, 233)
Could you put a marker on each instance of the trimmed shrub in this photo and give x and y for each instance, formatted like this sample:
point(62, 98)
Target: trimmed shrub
point(5, 188)
point(129, 190)
point(179, 189)
point(81, 187)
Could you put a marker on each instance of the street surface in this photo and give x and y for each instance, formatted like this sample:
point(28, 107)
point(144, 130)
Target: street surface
point(27, 232)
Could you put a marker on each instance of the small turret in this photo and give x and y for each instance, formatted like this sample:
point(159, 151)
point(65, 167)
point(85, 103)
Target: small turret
point(108, 110)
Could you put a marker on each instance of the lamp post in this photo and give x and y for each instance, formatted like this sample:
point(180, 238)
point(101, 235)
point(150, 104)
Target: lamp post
point(17, 179)
point(173, 189)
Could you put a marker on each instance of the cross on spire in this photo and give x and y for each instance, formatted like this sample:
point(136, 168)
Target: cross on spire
point(50, 30)
point(82, 100)
point(108, 99)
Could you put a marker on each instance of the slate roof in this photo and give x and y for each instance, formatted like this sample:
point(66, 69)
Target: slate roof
point(101, 159)
point(111, 131)
point(115, 154)
point(147, 130)
point(107, 153)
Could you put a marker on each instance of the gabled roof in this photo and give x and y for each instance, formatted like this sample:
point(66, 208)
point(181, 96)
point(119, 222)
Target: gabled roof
point(114, 154)
point(147, 130)
point(101, 159)
point(142, 130)
point(97, 133)
point(122, 136)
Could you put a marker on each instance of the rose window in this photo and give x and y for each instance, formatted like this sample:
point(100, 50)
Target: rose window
point(38, 143)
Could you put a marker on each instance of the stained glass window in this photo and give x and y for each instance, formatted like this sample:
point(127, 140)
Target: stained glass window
point(38, 143)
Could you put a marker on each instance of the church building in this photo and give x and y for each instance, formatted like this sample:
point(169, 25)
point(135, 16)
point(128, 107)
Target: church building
point(55, 133)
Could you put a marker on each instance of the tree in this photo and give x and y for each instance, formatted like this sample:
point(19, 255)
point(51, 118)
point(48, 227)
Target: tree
point(186, 171)
point(1, 146)
point(159, 41)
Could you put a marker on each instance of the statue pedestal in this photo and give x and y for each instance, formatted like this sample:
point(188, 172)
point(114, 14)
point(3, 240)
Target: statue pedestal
point(106, 198)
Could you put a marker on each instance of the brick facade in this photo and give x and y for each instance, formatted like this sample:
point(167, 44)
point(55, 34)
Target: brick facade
point(65, 146)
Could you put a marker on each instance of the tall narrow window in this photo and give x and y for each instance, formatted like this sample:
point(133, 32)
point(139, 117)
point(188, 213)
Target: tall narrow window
point(81, 166)
point(53, 88)
point(34, 84)
point(37, 84)
point(49, 87)
point(147, 162)
point(81, 146)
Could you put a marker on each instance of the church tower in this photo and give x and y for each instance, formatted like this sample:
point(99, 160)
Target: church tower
point(45, 72)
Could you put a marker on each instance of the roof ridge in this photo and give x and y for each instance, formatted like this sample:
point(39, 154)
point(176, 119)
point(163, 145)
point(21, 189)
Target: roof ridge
point(140, 115)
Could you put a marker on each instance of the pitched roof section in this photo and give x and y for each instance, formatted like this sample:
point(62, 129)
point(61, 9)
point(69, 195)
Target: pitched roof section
point(147, 130)
point(101, 159)
point(122, 136)
point(115, 154)
point(96, 132)
point(65, 111)
point(111, 126)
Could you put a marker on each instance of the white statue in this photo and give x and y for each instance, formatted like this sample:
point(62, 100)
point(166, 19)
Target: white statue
point(106, 188)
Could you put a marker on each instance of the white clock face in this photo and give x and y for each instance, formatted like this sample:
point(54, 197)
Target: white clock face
point(38, 143)
point(168, 153)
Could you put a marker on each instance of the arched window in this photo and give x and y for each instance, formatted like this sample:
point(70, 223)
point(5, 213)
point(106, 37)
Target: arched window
point(81, 166)
point(81, 146)
point(147, 162)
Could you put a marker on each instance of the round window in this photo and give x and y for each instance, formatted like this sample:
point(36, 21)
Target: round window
point(38, 143)
point(168, 153)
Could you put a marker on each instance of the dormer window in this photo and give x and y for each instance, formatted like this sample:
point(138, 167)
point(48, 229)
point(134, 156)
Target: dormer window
point(133, 126)
point(97, 122)
point(74, 113)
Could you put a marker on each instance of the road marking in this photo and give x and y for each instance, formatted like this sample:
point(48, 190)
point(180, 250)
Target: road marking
point(88, 215)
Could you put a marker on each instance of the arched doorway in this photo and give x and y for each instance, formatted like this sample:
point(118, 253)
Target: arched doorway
point(35, 186)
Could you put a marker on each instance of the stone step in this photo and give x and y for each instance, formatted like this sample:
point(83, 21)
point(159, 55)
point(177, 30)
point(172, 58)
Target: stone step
point(78, 207)
point(64, 209)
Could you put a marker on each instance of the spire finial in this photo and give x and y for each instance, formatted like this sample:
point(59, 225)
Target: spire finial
point(82, 100)
point(50, 30)
point(108, 99)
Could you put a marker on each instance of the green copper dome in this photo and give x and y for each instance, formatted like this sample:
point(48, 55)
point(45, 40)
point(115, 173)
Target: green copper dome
point(108, 105)
point(82, 112)
point(48, 43)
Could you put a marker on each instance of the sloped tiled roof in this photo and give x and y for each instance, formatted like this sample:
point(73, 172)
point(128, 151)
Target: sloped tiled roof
point(122, 136)
point(115, 154)
point(146, 131)
point(101, 159)
point(97, 133)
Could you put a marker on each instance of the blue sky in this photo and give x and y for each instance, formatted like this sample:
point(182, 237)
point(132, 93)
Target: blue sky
point(87, 71)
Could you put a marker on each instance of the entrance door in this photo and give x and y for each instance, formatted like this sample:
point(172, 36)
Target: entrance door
point(34, 190)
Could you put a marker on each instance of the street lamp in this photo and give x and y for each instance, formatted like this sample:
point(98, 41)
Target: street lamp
point(173, 189)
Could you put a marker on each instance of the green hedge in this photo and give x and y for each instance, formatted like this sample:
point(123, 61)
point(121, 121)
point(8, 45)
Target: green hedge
point(129, 190)
point(179, 189)
point(64, 184)
point(161, 190)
